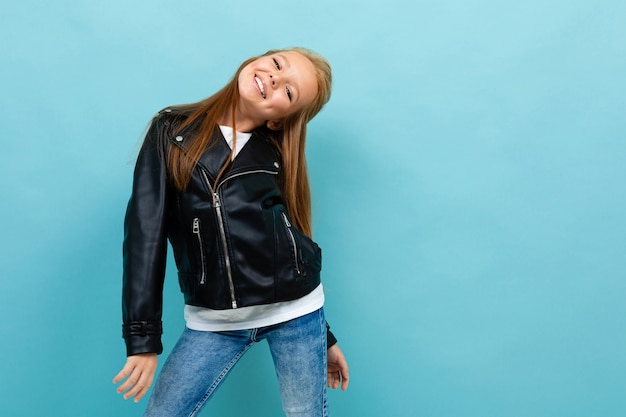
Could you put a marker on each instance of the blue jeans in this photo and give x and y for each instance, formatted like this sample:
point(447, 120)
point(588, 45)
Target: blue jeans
point(201, 361)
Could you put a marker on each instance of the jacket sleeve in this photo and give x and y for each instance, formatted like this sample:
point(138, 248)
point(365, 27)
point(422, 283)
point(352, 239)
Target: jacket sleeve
point(145, 247)
point(330, 337)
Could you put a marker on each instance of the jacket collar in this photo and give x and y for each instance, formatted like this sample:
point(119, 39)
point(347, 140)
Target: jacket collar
point(258, 153)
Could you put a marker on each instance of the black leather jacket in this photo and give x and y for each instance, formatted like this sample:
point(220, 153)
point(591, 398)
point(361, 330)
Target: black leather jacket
point(233, 242)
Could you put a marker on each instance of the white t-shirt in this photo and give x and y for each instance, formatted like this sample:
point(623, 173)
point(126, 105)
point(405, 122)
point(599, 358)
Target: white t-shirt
point(206, 319)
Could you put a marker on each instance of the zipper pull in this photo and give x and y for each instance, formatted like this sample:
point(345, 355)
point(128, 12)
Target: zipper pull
point(216, 197)
point(196, 225)
point(286, 219)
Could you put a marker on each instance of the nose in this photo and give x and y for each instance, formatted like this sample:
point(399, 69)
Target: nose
point(274, 79)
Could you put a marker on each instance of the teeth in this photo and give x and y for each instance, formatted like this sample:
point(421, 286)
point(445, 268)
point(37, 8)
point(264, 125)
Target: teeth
point(260, 84)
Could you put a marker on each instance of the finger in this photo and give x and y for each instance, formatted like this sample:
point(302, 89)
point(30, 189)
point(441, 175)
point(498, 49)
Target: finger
point(141, 387)
point(345, 381)
point(141, 394)
point(144, 390)
point(126, 370)
point(136, 391)
point(345, 377)
point(130, 382)
point(135, 384)
point(335, 377)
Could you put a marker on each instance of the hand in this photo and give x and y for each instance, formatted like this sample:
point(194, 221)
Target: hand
point(337, 369)
point(139, 373)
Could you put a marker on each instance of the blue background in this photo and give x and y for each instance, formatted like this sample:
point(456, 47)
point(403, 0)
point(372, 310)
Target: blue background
point(468, 181)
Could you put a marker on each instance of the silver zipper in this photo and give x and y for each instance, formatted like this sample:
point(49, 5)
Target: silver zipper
point(293, 241)
point(218, 209)
point(231, 285)
point(196, 231)
point(256, 171)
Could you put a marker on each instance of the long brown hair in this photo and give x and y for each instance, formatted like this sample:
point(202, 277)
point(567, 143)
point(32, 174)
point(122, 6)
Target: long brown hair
point(291, 139)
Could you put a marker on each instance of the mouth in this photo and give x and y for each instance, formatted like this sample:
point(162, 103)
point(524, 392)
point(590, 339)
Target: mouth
point(259, 84)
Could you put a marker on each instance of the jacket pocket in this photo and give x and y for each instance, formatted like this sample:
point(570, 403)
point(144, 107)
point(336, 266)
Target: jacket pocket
point(306, 254)
point(198, 238)
point(295, 251)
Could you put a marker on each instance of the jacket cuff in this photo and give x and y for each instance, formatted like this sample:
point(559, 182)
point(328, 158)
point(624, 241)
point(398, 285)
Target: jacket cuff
point(142, 337)
point(330, 337)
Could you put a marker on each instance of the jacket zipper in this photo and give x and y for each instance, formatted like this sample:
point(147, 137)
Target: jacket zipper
point(293, 241)
point(231, 285)
point(222, 229)
point(196, 231)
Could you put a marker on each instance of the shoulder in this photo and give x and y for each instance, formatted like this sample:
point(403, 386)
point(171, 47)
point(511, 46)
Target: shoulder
point(178, 110)
point(173, 114)
point(169, 120)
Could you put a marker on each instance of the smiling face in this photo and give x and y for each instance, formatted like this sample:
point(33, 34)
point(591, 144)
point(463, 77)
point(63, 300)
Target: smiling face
point(273, 87)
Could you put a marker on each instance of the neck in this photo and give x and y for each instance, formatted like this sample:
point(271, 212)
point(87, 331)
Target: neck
point(242, 122)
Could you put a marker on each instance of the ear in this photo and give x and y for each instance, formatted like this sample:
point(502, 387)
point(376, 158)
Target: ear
point(274, 124)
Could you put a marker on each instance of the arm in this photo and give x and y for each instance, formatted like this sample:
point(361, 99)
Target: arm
point(337, 365)
point(144, 253)
point(145, 247)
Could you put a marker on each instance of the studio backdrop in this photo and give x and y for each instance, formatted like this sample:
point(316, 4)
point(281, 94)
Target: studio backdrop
point(468, 194)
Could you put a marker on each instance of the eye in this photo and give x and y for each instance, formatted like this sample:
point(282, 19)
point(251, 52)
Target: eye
point(288, 91)
point(276, 64)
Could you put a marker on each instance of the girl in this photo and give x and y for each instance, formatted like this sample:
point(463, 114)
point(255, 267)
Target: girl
point(225, 180)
